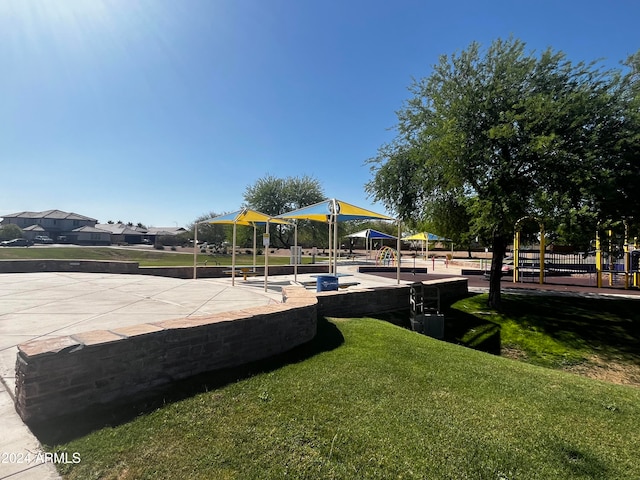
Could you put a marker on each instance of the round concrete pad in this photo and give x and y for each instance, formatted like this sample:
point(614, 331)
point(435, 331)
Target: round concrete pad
point(42, 305)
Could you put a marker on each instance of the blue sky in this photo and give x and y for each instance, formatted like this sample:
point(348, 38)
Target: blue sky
point(158, 111)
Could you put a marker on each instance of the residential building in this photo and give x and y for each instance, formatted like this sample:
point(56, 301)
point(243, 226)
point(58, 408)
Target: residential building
point(56, 224)
point(66, 227)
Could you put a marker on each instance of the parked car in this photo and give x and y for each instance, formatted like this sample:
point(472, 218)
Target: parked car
point(16, 242)
point(42, 239)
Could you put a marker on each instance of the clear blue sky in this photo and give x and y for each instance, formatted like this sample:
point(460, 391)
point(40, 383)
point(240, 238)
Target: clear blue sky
point(158, 111)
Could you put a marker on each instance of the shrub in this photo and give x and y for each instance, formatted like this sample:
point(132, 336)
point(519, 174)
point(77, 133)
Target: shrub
point(9, 232)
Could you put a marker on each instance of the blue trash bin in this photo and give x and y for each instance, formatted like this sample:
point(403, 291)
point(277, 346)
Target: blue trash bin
point(326, 283)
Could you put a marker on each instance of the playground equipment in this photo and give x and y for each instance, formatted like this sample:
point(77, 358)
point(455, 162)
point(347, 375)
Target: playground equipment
point(387, 256)
point(610, 246)
point(516, 249)
point(630, 254)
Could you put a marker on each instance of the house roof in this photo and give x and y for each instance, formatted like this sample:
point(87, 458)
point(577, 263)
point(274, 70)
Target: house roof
point(88, 229)
point(119, 229)
point(165, 230)
point(34, 228)
point(55, 214)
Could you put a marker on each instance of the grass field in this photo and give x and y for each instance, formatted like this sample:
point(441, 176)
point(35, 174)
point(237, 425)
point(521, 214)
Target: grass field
point(595, 336)
point(146, 258)
point(369, 399)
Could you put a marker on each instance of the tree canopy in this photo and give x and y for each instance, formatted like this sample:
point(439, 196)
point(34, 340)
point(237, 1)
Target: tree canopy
point(10, 231)
point(492, 136)
point(274, 196)
point(212, 233)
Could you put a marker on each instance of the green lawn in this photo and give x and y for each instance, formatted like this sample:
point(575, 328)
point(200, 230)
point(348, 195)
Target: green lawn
point(551, 331)
point(369, 399)
point(146, 258)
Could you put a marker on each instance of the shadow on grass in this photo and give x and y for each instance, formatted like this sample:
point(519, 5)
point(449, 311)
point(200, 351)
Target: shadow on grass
point(602, 325)
point(66, 428)
point(459, 328)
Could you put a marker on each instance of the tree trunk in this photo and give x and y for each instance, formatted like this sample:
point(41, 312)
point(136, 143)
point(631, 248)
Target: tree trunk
point(499, 250)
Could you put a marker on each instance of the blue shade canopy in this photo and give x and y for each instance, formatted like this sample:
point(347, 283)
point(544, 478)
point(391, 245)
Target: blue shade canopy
point(371, 233)
point(332, 208)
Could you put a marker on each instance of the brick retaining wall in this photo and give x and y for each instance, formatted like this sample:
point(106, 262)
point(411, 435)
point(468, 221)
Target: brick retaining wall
point(345, 303)
point(69, 374)
point(91, 266)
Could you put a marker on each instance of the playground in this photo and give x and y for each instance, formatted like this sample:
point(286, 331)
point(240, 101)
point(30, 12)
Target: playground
point(612, 260)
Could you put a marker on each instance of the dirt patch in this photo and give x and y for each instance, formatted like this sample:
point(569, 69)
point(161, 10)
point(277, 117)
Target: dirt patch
point(608, 370)
point(513, 354)
point(595, 366)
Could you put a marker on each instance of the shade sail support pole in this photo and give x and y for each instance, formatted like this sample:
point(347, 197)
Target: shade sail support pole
point(295, 263)
point(330, 242)
point(233, 257)
point(255, 233)
point(335, 244)
point(195, 251)
point(266, 260)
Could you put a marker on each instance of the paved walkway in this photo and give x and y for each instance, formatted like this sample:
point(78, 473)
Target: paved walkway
point(41, 305)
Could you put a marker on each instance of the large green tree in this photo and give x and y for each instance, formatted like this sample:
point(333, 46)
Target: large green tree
point(214, 234)
point(500, 134)
point(274, 196)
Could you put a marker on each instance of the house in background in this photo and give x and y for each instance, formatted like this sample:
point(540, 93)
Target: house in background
point(56, 224)
point(127, 234)
point(66, 227)
point(89, 236)
point(123, 234)
point(156, 233)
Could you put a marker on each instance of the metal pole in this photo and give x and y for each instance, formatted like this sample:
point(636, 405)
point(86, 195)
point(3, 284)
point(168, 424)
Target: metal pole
point(255, 232)
point(335, 242)
point(598, 261)
point(426, 241)
point(195, 251)
point(233, 257)
point(295, 241)
point(636, 275)
point(266, 258)
point(627, 259)
point(542, 248)
point(330, 240)
point(516, 256)
point(611, 264)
